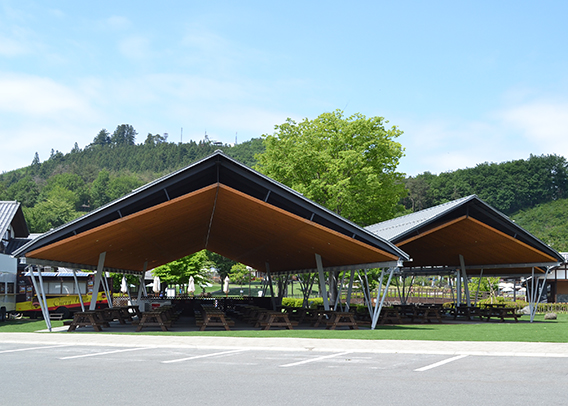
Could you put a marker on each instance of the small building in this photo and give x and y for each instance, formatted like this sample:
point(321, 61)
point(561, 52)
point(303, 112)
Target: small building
point(13, 234)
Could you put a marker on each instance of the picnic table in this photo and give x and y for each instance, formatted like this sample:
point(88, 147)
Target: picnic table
point(268, 319)
point(342, 319)
point(333, 319)
point(427, 313)
point(212, 317)
point(391, 314)
point(88, 319)
point(469, 312)
point(499, 311)
point(115, 313)
point(161, 317)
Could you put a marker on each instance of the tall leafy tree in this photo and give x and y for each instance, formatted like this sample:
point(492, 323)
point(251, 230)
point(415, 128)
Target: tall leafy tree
point(123, 135)
point(102, 139)
point(179, 271)
point(347, 164)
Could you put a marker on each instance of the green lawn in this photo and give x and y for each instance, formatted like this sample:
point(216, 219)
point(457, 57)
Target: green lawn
point(539, 331)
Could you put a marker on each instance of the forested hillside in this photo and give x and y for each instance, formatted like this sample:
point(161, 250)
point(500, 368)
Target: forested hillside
point(508, 186)
point(532, 192)
point(65, 186)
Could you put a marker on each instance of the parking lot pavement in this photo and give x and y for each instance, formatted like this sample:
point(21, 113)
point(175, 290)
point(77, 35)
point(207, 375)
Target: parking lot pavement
point(558, 350)
point(105, 369)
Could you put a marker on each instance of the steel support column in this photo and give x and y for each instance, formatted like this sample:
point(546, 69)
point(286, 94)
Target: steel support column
point(464, 279)
point(382, 297)
point(97, 283)
point(323, 289)
point(78, 289)
point(271, 287)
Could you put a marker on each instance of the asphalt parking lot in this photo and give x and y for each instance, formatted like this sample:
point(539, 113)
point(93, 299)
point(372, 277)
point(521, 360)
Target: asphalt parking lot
point(52, 369)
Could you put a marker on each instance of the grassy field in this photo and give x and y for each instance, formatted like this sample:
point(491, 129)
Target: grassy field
point(539, 331)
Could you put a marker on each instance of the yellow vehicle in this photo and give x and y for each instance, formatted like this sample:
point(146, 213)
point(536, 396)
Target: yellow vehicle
point(61, 293)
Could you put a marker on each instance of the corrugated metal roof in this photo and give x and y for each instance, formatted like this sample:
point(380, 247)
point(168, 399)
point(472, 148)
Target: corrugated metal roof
point(8, 211)
point(393, 228)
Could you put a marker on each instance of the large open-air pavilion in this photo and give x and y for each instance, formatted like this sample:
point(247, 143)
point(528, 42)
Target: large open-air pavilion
point(223, 206)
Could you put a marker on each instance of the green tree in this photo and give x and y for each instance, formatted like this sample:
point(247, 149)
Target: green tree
point(102, 138)
point(345, 164)
point(123, 135)
point(69, 182)
point(221, 264)
point(179, 271)
point(99, 189)
point(120, 186)
point(50, 213)
point(239, 274)
point(24, 191)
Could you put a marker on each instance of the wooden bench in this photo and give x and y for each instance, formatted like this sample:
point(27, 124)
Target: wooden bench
point(87, 319)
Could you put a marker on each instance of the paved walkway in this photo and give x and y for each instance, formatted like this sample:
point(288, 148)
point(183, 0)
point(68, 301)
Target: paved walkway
point(517, 349)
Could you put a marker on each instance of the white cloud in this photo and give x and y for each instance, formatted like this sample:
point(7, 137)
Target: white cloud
point(37, 96)
point(523, 127)
point(542, 122)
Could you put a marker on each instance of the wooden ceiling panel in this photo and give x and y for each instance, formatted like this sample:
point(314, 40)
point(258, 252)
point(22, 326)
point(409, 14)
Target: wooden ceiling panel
point(220, 219)
point(479, 244)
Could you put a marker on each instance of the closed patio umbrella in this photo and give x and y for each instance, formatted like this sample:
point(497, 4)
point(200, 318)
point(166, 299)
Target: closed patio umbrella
point(226, 285)
point(123, 287)
point(156, 284)
point(190, 286)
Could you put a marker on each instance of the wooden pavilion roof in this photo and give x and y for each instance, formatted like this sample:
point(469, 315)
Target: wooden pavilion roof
point(216, 204)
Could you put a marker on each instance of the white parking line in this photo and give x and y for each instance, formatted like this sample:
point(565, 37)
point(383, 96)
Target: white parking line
point(203, 356)
point(306, 361)
point(437, 364)
point(107, 352)
point(34, 348)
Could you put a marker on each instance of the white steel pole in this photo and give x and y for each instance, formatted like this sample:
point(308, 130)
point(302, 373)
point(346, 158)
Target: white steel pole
point(78, 289)
point(97, 284)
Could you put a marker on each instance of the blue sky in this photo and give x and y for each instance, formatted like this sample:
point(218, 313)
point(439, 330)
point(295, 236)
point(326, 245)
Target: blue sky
point(467, 81)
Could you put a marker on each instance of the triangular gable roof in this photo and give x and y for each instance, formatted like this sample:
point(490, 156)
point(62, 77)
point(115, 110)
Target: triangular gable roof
point(11, 214)
point(486, 238)
point(216, 204)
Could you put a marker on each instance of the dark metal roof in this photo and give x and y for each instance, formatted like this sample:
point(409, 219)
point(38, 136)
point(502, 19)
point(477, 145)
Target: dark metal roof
point(435, 237)
point(213, 191)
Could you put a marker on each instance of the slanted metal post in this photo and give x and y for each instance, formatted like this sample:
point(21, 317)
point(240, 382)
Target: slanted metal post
point(42, 305)
point(271, 287)
point(465, 284)
point(78, 290)
point(478, 285)
point(535, 307)
point(458, 288)
point(107, 290)
point(383, 296)
point(339, 292)
point(349, 290)
point(48, 320)
point(323, 289)
point(97, 283)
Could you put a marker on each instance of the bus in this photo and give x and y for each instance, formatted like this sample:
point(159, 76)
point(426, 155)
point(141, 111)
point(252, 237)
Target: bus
point(60, 290)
